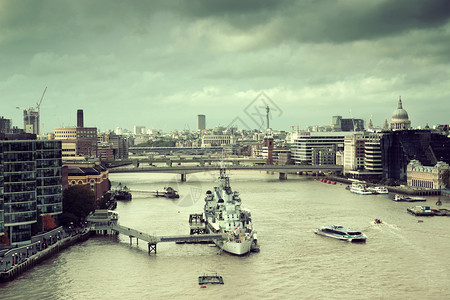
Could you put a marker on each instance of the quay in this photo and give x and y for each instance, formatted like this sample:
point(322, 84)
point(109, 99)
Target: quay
point(17, 260)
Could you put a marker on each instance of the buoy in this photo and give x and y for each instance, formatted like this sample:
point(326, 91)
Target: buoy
point(203, 286)
point(419, 221)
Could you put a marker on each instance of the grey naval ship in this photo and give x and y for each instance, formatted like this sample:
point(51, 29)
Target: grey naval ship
point(224, 214)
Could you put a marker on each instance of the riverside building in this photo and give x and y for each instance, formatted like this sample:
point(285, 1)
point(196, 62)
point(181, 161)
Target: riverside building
point(362, 154)
point(30, 183)
point(308, 147)
point(429, 177)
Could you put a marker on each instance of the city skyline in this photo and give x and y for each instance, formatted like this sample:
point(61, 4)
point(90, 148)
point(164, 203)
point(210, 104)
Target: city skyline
point(160, 64)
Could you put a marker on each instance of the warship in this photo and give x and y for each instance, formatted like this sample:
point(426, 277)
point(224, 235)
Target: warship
point(224, 214)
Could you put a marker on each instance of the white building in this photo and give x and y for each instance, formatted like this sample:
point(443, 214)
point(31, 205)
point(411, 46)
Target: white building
point(218, 140)
point(307, 142)
point(362, 154)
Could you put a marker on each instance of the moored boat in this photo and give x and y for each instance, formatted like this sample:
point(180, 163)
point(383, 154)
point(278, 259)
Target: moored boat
point(378, 190)
point(402, 198)
point(360, 189)
point(420, 210)
point(341, 233)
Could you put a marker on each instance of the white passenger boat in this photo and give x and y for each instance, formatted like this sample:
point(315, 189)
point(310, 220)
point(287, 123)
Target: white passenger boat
point(360, 188)
point(378, 190)
point(223, 214)
point(342, 233)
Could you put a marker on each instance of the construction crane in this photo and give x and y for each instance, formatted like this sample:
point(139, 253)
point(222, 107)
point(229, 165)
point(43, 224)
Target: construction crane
point(33, 112)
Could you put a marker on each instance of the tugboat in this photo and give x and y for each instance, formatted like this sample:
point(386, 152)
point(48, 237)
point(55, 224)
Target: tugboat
point(121, 193)
point(224, 214)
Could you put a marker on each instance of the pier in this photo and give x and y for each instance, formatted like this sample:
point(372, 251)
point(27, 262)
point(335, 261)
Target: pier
point(105, 222)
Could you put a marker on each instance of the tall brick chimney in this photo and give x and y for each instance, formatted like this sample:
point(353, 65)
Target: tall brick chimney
point(80, 120)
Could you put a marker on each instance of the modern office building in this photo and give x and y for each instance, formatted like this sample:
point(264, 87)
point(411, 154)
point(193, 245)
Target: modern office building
point(201, 122)
point(362, 154)
point(31, 184)
point(400, 147)
point(307, 142)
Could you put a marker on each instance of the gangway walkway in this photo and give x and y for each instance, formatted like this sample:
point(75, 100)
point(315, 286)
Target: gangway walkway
point(151, 239)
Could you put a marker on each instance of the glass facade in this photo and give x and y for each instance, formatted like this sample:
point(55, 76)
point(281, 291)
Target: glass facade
point(2, 199)
point(30, 185)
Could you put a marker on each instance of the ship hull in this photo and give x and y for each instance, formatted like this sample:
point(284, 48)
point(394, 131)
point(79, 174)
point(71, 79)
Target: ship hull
point(234, 247)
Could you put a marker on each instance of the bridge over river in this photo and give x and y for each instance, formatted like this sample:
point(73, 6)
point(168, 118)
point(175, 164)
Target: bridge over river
point(184, 170)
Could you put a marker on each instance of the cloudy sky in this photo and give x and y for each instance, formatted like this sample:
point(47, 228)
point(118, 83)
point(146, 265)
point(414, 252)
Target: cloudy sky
point(160, 63)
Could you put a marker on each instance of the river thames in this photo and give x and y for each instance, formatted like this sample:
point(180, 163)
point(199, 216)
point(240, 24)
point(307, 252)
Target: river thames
point(402, 258)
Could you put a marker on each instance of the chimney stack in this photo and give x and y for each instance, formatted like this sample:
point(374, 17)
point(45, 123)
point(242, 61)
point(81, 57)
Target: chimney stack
point(80, 118)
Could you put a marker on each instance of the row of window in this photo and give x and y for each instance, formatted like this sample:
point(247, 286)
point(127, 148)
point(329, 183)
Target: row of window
point(20, 197)
point(20, 217)
point(20, 207)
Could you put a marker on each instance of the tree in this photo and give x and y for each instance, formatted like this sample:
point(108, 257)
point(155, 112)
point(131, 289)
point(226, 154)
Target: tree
point(4, 240)
point(78, 202)
point(48, 222)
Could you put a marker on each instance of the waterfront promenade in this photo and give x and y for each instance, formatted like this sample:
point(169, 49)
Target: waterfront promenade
point(15, 260)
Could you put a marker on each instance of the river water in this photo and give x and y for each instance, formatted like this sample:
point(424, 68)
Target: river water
point(402, 258)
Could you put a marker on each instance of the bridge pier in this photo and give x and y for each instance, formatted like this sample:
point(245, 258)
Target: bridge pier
point(283, 176)
point(183, 177)
point(151, 248)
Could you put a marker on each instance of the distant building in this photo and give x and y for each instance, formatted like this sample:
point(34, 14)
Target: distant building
point(137, 130)
point(77, 141)
point(340, 124)
point(400, 119)
point(5, 125)
point(218, 140)
point(31, 121)
point(429, 177)
point(30, 184)
point(201, 122)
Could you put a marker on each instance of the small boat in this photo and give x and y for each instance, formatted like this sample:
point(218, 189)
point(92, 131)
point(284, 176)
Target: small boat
point(420, 211)
point(360, 189)
point(378, 221)
point(439, 202)
point(210, 279)
point(168, 193)
point(401, 198)
point(341, 233)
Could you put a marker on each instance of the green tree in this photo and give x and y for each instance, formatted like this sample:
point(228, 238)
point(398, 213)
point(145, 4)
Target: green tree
point(78, 202)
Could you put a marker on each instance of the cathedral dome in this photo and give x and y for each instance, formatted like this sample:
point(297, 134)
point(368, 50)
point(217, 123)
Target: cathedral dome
point(400, 113)
point(400, 119)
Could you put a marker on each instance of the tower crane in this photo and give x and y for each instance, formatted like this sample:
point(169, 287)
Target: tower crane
point(29, 111)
